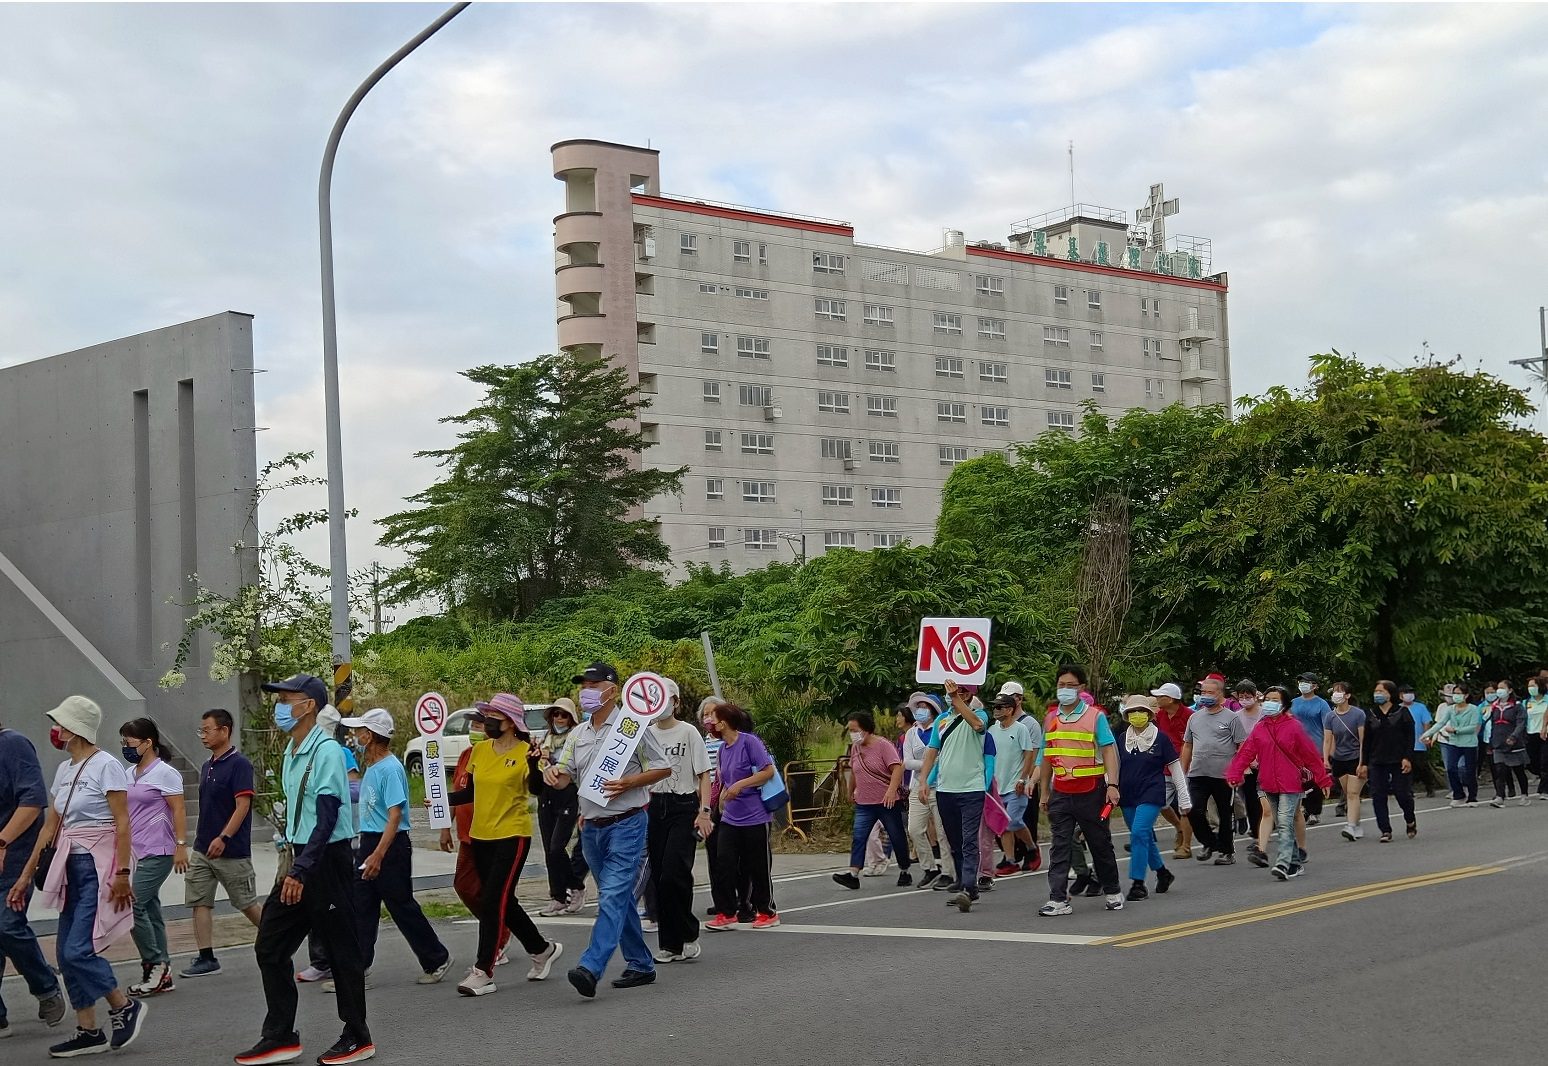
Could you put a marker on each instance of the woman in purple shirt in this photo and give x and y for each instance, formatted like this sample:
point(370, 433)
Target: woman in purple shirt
point(743, 848)
point(158, 838)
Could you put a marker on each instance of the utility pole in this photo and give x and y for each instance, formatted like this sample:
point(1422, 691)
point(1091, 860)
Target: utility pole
point(1537, 366)
point(376, 598)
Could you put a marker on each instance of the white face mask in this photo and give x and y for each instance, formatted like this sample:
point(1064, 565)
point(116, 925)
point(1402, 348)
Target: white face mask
point(1272, 707)
point(1305, 687)
point(1339, 697)
point(855, 738)
point(1248, 701)
point(1067, 696)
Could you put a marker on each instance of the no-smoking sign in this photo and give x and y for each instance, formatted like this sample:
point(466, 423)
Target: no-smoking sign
point(430, 714)
point(953, 649)
point(645, 694)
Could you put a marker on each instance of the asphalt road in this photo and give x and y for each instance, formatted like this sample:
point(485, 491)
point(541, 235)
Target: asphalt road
point(1424, 951)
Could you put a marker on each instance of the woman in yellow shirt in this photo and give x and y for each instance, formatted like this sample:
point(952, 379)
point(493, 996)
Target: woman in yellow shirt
point(503, 775)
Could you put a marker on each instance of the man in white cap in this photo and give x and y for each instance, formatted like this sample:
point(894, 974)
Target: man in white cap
point(384, 873)
point(1030, 856)
point(1172, 716)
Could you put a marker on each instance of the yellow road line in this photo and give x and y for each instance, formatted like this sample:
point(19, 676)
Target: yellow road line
point(1298, 905)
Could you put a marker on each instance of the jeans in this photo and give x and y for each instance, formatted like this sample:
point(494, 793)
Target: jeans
point(326, 912)
point(87, 975)
point(1283, 805)
point(19, 944)
point(962, 813)
point(1145, 853)
point(1068, 811)
point(1204, 790)
point(614, 852)
point(744, 861)
point(891, 818)
point(920, 815)
point(1389, 779)
point(1461, 771)
point(393, 886)
point(670, 842)
point(150, 931)
point(499, 864)
point(558, 811)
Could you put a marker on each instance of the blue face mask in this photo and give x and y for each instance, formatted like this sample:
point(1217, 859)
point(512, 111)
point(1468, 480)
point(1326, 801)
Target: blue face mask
point(284, 718)
point(921, 715)
point(131, 755)
point(1378, 698)
point(1208, 701)
point(1067, 696)
point(560, 729)
point(1272, 707)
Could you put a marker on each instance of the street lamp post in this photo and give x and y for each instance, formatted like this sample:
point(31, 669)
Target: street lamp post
point(338, 562)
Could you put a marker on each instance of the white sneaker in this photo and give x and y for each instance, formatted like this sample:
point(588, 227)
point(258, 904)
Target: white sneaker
point(1457, 803)
point(329, 987)
point(576, 901)
point(476, 983)
point(662, 955)
point(312, 973)
point(1526, 801)
point(1055, 907)
point(502, 958)
point(650, 925)
point(552, 909)
point(690, 952)
point(876, 869)
point(543, 963)
point(437, 975)
point(1115, 902)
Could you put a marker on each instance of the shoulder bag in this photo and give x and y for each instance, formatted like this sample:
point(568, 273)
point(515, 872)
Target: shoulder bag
point(287, 850)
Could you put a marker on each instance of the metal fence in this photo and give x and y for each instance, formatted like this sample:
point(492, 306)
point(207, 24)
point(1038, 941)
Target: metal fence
point(816, 792)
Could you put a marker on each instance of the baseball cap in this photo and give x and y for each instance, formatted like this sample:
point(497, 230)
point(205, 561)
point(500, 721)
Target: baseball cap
point(672, 690)
point(80, 716)
point(1012, 688)
point(598, 671)
point(1213, 677)
point(1310, 676)
point(503, 703)
point(1004, 699)
point(378, 720)
point(305, 684)
point(329, 718)
point(1169, 689)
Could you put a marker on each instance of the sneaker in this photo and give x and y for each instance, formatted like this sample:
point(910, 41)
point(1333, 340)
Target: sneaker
point(848, 880)
point(1472, 803)
point(553, 908)
point(502, 958)
point(1138, 891)
point(1034, 861)
point(576, 901)
point(144, 985)
point(1205, 855)
point(1055, 908)
point(542, 964)
point(1280, 871)
point(1457, 803)
point(690, 952)
point(1526, 801)
point(1497, 802)
point(763, 921)
point(905, 879)
point(650, 925)
point(1006, 868)
point(986, 884)
point(269, 1052)
point(1182, 852)
point(1226, 859)
point(1115, 902)
point(201, 967)
point(634, 978)
point(1080, 884)
point(584, 981)
point(1256, 857)
point(930, 877)
point(1301, 857)
point(963, 901)
point(1093, 889)
point(127, 1022)
point(437, 975)
point(721, 922)
point(946, 884)
point(347, 1049)
point(313, 973)
point(1413, 829)
point(476, 983)
point(51, 1009)
point(5, 1029)
point(1342, 810)
point(1164, 879)
point(1312, 819)
point(1348, 832)
point(1295, 870)
point(84, 1042)
point(331, 987)
point(662, 955)
point(876, 869)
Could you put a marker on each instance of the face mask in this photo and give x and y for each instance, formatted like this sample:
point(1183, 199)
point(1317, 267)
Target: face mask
point(1208, 701)
point(591, 700)
point(494, 730)
point(284, 717)
point(1378, 698)
point(560, 730)
point(476, 737)
point(855, 738)
point(1067, 696)
point(1491, 695)
point(1305, 687)
point(131, 755)
point(1272, 707)
point(1459, 697)
point(1408, 697)
point(1503, 693)
point(55, 737)
point(1139, 720)
point(1533, 690)
point(921, 715)
point(1248, 701)
point(1339, 697)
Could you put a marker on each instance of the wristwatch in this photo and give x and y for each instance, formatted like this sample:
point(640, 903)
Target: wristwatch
point(706, 810)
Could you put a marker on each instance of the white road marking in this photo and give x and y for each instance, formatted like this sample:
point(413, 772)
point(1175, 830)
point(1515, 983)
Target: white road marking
point(945, 934)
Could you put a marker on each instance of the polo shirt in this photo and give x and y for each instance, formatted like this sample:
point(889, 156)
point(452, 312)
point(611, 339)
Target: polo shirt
point(1173, 724)
point(21, 785)
point(965, 762)
point(582, 748)
point(383, 787)
point(328, 778)
point(222, 782)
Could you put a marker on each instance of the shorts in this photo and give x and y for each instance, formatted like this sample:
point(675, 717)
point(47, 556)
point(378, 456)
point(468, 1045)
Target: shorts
point(1171, 793)
point(234, 875)
point(1344, 767)
point(1016, 807)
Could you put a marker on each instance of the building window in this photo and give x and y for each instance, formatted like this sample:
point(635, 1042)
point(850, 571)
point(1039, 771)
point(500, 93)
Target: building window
point(1057, 379)
point(951, 454)
point(878, 315)
point(996, 372)
point(1160, 388)
point(947, 323)
point(714, 488)
point(885, 451)
point(751, 294)
point(1098, 382)
point(1094, 299)
point(886, 497)
point(757, 444)
point(1064, 420)
point(994, 416)
point(886, 540)
point(1056, 335)
point(948, 411)
point(755, 396)
point(834, 309)
point(760, 539)
point(948, 366)
point(993, 328)
point(717, 536)
point(712, 440)
point(752, 347)
point(1149, 388)
point(827, 263)
point(709, 343)
point(712, 392)
point(709, 288)
point(1096, 341)
point(757, 492)
point(835, 538)
point(1061, 294)
point(836, 402)
point(1146, 351)
point(878, 359)
point(989, 285)
point(832, 355)
point(838, 495)
point(837, 448)
point(763, 255)
point(1144, 307)
point(688, 243)
point(882, 406)
point(741, 251)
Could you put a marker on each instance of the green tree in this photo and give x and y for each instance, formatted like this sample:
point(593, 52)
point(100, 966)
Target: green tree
point(539, 495)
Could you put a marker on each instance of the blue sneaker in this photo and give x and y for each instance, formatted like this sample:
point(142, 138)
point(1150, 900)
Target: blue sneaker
point(202, 968)
point(127, 1023)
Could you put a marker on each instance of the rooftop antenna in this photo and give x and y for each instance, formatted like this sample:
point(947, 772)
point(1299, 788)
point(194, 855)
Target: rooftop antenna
point(1537, 366)
point(1156, 210)
point(1072, 175)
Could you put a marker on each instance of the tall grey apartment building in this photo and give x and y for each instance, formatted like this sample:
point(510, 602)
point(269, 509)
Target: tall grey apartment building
point(820, 389)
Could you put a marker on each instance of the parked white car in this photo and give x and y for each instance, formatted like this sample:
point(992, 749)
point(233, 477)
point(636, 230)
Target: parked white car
point(456, 737)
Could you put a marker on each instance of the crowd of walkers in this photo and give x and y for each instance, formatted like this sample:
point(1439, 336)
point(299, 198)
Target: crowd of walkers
point(954, 798)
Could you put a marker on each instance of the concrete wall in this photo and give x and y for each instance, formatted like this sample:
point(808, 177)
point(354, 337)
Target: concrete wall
point(124, 468)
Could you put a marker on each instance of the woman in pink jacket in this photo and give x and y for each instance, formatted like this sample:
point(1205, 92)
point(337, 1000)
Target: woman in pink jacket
point(1286, 757)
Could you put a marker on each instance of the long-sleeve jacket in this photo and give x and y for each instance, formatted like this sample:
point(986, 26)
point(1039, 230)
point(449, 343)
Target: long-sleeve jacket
point(1389, 736)
point(1457, 725)
point(1507, 727)
point(1282, 750)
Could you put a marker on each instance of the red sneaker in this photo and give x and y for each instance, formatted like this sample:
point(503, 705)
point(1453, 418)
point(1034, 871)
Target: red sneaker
point(764, 921)
point(721, 922)
point(1034, 861)
point(1006, 868)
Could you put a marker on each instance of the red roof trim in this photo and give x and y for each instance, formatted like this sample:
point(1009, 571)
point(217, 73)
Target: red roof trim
point(759, 217)
point(1023, 257)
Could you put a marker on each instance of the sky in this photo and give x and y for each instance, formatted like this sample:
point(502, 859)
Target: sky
point(1373, 177)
